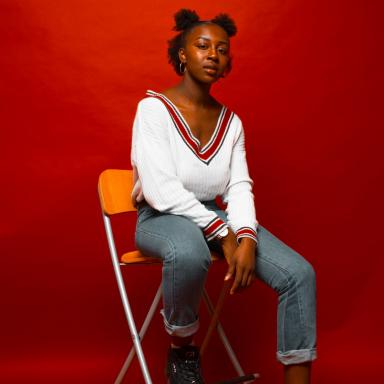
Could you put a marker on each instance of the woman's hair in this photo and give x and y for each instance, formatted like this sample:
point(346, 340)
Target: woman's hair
point(185, 21)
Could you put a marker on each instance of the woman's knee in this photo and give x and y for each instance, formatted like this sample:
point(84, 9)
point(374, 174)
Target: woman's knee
point(307, 272)
point(187, 249)
point(173, 238)
point(300, 275)
point(304, 275)
point(193, 254)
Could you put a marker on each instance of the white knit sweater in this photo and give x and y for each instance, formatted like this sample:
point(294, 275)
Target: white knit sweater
point(173, 174)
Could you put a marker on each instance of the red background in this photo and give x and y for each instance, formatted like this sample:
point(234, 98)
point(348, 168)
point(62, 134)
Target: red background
point(307, 82)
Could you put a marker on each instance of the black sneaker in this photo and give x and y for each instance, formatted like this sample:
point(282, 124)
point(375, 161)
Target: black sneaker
point(183, 366)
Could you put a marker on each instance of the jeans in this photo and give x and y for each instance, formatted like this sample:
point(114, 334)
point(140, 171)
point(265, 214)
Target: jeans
point(186, 259)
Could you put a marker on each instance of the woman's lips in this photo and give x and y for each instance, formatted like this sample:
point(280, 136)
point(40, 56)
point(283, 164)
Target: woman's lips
point(210, 70)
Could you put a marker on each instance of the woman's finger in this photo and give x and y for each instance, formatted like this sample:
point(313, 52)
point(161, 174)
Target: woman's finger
point(231, 269)
point(236, 282)
point(251, 277)
point(244, 280)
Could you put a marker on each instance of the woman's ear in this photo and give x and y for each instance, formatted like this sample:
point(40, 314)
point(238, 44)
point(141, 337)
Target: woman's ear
point(182, 57)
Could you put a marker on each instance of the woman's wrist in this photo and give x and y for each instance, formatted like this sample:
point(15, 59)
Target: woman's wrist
point(229, 240)
point(247, 242)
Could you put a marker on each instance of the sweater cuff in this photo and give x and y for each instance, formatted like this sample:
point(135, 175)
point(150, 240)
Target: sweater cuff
point(213, 228)
point(246, 232)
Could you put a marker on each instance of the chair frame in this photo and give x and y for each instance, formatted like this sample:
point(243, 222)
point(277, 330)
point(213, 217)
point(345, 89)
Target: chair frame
point(114, 189)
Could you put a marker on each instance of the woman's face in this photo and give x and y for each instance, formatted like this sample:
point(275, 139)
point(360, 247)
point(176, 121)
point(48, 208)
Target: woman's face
point(206, 53)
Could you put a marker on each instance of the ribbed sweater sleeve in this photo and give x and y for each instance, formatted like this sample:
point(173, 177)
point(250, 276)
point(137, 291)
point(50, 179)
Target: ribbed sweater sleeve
point(157, 172)
point(238, 195)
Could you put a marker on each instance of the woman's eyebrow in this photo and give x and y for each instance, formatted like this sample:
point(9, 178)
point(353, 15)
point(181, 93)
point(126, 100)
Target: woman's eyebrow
point(208, 39)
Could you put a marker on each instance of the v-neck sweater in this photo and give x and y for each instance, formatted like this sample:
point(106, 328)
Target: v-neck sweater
point(174, 175)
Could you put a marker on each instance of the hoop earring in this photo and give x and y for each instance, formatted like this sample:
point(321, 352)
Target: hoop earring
point(181, 68)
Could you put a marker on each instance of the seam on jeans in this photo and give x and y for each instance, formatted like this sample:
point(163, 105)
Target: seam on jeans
point(288, 278)
point(174, 281)
point(300, 304)
point(173, 253)
point(299, 298)
point(284, 318)
point(302, 322)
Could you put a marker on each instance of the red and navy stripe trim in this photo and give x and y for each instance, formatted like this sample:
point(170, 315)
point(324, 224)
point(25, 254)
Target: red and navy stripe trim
point(246, 232)
point(209, 151)
point(213, 228)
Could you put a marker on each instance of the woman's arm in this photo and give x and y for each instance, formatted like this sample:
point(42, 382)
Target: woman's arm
point(241, 218)
point(238, 195)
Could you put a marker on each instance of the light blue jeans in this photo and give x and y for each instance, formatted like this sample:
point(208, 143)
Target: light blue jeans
point(186, 260)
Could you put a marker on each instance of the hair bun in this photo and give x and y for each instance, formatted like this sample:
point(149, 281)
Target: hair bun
point(184, 18)
point(225, 22)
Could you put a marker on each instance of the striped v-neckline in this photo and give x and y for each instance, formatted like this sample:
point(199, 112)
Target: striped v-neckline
point(212, 147)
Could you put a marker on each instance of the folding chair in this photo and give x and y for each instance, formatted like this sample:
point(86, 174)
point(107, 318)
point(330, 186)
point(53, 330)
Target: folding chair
point(115, 187)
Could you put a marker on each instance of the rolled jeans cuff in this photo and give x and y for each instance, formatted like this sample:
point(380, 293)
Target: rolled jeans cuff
point(180, 330)
point(296, 356)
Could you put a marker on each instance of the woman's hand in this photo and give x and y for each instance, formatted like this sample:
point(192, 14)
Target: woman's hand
point(242, 264)
point(229, 245)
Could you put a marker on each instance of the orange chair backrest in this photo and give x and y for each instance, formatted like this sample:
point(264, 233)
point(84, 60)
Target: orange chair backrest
point(115, 188)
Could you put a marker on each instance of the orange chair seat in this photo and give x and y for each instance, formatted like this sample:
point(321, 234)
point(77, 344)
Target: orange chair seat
point(136, 257)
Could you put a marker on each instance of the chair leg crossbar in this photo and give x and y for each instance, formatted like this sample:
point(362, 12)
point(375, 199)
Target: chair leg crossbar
point(214, 324)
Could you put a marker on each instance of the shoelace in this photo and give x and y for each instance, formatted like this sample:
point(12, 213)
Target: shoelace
point(190, 371)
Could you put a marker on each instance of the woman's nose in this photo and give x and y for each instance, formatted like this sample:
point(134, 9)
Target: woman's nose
point(212, 54)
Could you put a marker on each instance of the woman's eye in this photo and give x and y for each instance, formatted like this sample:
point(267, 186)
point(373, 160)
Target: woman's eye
point(202, 46)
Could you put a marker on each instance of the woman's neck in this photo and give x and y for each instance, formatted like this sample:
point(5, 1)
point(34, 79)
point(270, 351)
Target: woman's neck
point(195, 93)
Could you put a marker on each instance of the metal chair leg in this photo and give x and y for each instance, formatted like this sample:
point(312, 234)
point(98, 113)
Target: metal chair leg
point(124, 299)
point(142, 333)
